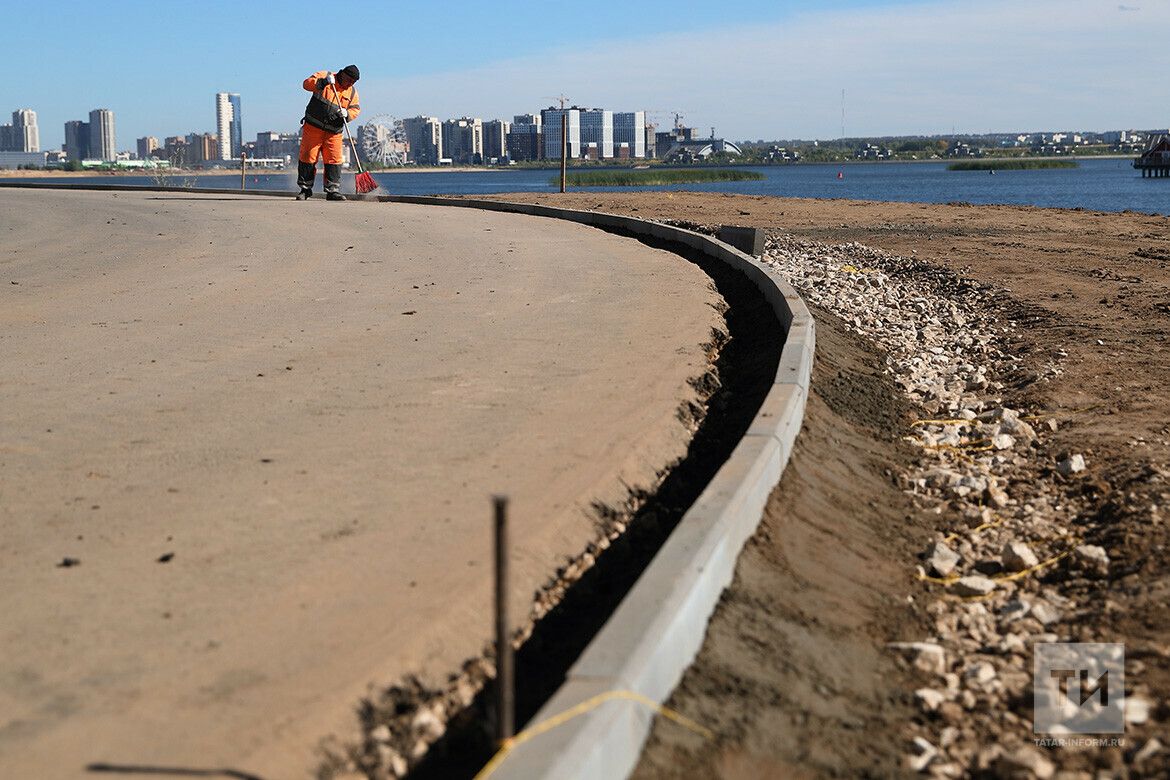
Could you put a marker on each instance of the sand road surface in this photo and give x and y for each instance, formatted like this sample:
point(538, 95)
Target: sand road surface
point(267, 432)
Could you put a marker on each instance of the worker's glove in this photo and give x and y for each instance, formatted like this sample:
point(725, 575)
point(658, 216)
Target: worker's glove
point(330, 79)
point(340, 114)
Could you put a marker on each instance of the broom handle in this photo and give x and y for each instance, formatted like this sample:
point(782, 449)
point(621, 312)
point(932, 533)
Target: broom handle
point(345, 122)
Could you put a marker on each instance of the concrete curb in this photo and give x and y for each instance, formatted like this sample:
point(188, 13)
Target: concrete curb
point(657, 630)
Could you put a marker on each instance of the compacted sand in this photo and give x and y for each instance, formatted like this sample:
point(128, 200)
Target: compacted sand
point(247, 445)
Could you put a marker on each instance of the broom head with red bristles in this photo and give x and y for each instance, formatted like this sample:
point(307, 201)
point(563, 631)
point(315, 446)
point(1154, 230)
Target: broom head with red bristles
point(364, 183)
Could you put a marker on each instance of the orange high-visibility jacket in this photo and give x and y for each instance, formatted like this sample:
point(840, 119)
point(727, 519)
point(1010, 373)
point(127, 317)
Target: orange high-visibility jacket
point(317, 112)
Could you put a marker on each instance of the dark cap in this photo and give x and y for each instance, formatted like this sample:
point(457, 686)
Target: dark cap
point(351, 71)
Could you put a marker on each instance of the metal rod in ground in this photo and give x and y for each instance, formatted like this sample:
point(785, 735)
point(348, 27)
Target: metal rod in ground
point(564, 147)
point(505, 670)
point(243, 169)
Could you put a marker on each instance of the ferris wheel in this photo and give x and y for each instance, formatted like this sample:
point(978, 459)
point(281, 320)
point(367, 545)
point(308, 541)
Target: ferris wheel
point(383, 140)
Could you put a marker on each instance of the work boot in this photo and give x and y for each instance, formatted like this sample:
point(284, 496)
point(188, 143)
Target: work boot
point(333, 182)
point(306, 177)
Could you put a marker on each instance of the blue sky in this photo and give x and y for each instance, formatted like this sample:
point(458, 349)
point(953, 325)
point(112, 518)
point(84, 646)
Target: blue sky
point(751, 69)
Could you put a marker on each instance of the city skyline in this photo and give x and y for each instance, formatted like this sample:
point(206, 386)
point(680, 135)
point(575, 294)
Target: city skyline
point(777, 71)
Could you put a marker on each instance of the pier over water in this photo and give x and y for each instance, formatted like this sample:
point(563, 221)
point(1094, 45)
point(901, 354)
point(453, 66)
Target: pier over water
point(1155, 161)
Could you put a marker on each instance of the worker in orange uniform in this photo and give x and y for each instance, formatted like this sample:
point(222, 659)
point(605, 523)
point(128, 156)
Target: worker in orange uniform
point(334, 102)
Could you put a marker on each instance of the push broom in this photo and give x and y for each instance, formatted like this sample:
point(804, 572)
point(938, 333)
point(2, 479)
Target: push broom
point(363, 182)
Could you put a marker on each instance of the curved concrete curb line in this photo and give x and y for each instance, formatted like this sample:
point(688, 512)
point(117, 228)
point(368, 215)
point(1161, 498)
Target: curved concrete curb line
point(657, 630)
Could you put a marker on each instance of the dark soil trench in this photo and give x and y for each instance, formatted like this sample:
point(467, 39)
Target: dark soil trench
point(745, 368)
point(793, 677)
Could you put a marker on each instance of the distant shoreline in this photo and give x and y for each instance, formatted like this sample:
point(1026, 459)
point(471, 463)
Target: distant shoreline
point(574, 165)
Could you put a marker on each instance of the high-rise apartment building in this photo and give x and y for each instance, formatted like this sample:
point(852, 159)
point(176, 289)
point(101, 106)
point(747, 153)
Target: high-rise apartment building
point(629, 129)
point(424, 137)
point(77, 139)
point(236, 128)
point(463, 140)
point(273, 145)
point(202, 147)
point(596, 133)
point(147, 147)
point(25, 135)
point(550, 118)
point(495, 139)
point(228, 125)
point(524, 139)
point(102, 145)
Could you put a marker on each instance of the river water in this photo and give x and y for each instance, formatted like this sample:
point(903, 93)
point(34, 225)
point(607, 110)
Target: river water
point(1098, 184)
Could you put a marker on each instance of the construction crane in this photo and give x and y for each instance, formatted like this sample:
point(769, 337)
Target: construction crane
point(678, 114)
point(562, 98)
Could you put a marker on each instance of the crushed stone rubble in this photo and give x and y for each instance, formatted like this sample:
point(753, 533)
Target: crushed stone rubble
point(1008, 542)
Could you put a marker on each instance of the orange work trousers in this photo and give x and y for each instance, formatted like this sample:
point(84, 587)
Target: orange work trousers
point(316, 141)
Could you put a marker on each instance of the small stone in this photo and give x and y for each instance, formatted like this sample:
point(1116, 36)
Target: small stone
point(1024, 762)
point(1018, 556)
point(980, 673)
point(1052, 424)
point(974, 585)
point(996, 496)
point(1137, 710)
point(1071, 465)
point(1147, 751)
point(392, 761)
point(929, 698)
point(1045, 613)
point(1003, 441)
point(380, 733)
point(926, 656)
point(951, 712)
point(941, 559)
point(1014, 610)
point(1093, 558)
point(923, 753)
point(464, 692)
point(427, 725)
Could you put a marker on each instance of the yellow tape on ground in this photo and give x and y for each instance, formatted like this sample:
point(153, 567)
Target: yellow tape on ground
point(975, 445)
point(1015, 575)
point(580, 709)
point(981, 527)
point(1027, 417)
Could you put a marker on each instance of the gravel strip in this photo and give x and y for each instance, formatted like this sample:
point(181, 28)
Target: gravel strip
point(1013, 554)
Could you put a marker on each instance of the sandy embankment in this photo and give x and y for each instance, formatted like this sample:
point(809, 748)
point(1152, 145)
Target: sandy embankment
point(1079, 302)
point(267, 432)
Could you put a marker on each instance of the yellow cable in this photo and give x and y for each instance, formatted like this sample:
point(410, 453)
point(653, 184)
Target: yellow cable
point(1000, 577)
point(581, 709)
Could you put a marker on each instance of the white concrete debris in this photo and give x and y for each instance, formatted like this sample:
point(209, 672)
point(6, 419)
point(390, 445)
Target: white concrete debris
point(1025, 762)
point(929, 698)
point(923, 753)
point(941, 559)
point(1137, 710)
point(986, 471)
point(1152, 747)
point(974, 585)
point(1073, 464)
point(927, 656)
point(1018, 556)
point(1093, 558)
